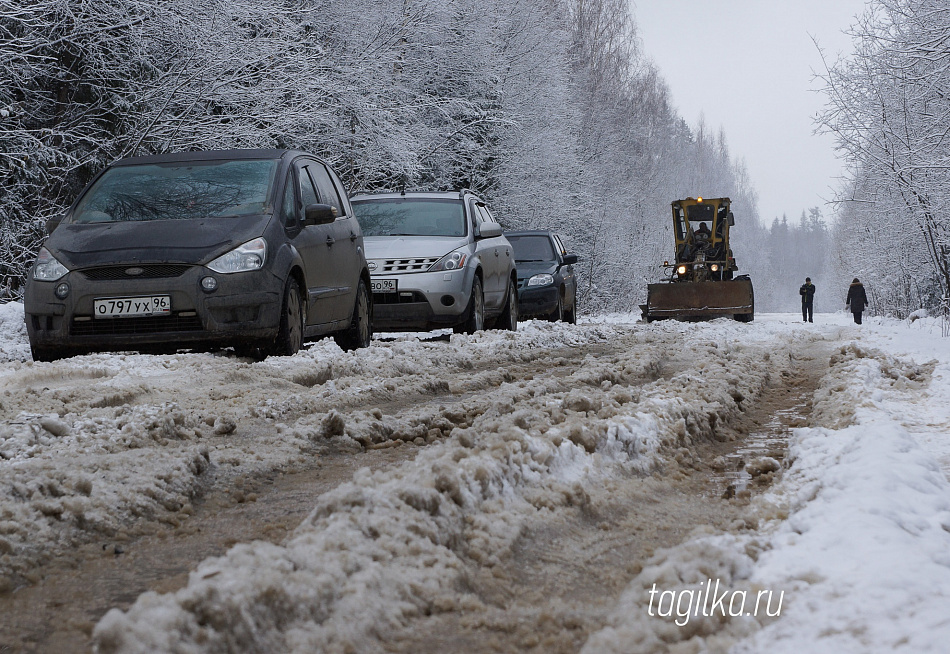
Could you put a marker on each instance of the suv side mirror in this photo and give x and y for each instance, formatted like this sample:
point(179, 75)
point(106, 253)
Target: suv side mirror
point(570, 259)
point(489, 230)
point(319, 214)
point(54, 222)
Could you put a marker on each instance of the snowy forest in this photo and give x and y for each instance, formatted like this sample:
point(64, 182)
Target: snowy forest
point(888, 109)
point(548, 108)
point(545, 107)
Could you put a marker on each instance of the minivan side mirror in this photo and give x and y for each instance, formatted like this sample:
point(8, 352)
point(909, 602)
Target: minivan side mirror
point(570, 259)
point(319, 214)
point(54, 222)
point(489, 230)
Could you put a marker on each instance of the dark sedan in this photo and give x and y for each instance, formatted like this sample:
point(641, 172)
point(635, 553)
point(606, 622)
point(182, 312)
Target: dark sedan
point(256, 249)
point(547, 287)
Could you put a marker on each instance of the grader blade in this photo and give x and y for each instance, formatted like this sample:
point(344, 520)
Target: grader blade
point(709, 299)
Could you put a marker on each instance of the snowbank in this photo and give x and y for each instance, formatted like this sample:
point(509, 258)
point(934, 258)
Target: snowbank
point(857, 535)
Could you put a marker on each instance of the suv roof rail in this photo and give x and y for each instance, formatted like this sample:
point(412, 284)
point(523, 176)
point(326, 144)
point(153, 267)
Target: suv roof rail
point(403, 190)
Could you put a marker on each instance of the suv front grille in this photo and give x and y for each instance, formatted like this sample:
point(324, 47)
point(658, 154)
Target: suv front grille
point(149, 271)
point(402, 297)
point(407, 265)
point(137, 325)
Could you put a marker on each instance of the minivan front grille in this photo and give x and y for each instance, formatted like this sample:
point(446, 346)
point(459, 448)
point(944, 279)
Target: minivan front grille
point(407, 265)
point(145, 271)
point(136, 325)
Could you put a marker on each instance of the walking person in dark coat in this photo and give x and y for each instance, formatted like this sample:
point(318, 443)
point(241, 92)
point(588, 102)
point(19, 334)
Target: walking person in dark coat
point(857, 300)
point(807, 291)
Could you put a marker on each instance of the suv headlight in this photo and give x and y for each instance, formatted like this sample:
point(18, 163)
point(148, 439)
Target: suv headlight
point(47, 268)
point(249, 256)
point(451, 261)
point(544, 279)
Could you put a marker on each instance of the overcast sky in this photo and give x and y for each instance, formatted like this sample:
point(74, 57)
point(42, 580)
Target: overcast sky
point(748, 66)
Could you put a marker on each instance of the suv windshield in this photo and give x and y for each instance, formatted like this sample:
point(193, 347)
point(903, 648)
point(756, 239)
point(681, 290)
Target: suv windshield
point(532, 248)
point(411, 217)
point(181, 190)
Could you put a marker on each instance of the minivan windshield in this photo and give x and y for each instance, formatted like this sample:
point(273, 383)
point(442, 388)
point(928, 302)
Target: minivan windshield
point(181, 190)
point(532, 248)
point(411, 217)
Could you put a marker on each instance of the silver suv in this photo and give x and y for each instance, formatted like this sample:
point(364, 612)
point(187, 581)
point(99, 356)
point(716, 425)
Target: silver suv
point(437, 259)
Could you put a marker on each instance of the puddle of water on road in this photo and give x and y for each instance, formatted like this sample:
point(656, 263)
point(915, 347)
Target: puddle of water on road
point(771, 442)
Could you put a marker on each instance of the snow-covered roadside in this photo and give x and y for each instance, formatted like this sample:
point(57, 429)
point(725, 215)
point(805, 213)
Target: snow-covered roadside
point(387, 546)
point(857, 533)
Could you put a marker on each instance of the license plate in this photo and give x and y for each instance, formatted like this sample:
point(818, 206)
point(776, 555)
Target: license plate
point(123, 307)
point(384, 285)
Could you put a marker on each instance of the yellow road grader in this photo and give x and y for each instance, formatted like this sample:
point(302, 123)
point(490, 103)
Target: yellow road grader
point(701, 283)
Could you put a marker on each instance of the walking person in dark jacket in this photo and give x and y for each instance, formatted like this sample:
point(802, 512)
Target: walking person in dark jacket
point(807, 291)
point(857, 300)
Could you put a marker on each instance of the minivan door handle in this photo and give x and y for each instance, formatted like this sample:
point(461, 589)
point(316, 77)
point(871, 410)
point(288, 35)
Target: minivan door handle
point(352, 236)
point(330, 240)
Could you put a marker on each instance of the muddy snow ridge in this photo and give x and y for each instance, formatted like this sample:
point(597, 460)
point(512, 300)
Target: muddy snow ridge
point(390, 546)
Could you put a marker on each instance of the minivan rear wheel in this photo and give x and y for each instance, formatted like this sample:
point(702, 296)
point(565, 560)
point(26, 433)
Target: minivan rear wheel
point(360, 332)
point(290, 332)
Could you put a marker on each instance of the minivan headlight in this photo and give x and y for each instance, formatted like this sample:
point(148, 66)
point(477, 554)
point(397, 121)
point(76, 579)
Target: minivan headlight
point(451, 261)
point(544, 279)
point(249, 256)
point(47, 268)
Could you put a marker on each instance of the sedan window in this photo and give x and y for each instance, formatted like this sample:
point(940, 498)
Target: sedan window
point(185, 190)
point(410, 217)
point(532, 248)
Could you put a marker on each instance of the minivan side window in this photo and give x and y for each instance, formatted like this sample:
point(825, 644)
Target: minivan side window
point(307, 193)
point(325, 188)
point(288, 207)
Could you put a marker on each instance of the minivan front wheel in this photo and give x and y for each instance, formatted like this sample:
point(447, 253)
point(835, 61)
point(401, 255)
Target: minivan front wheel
point(290, 332)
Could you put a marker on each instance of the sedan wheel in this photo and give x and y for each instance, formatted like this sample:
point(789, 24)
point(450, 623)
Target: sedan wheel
point(558, 314)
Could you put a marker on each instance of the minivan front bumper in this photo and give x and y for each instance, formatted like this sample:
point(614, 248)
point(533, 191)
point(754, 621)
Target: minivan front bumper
point(244, 308)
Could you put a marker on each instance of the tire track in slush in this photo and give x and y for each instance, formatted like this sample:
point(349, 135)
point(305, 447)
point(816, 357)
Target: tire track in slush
point(59, 612)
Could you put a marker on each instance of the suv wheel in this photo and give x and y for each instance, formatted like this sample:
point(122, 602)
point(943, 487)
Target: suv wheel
point(290, 332)
point(509, 315)
point(476, 310)
point(360, 332)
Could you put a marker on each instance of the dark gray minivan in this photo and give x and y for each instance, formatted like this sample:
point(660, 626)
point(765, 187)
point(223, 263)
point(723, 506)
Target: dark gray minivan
point(256, 249)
